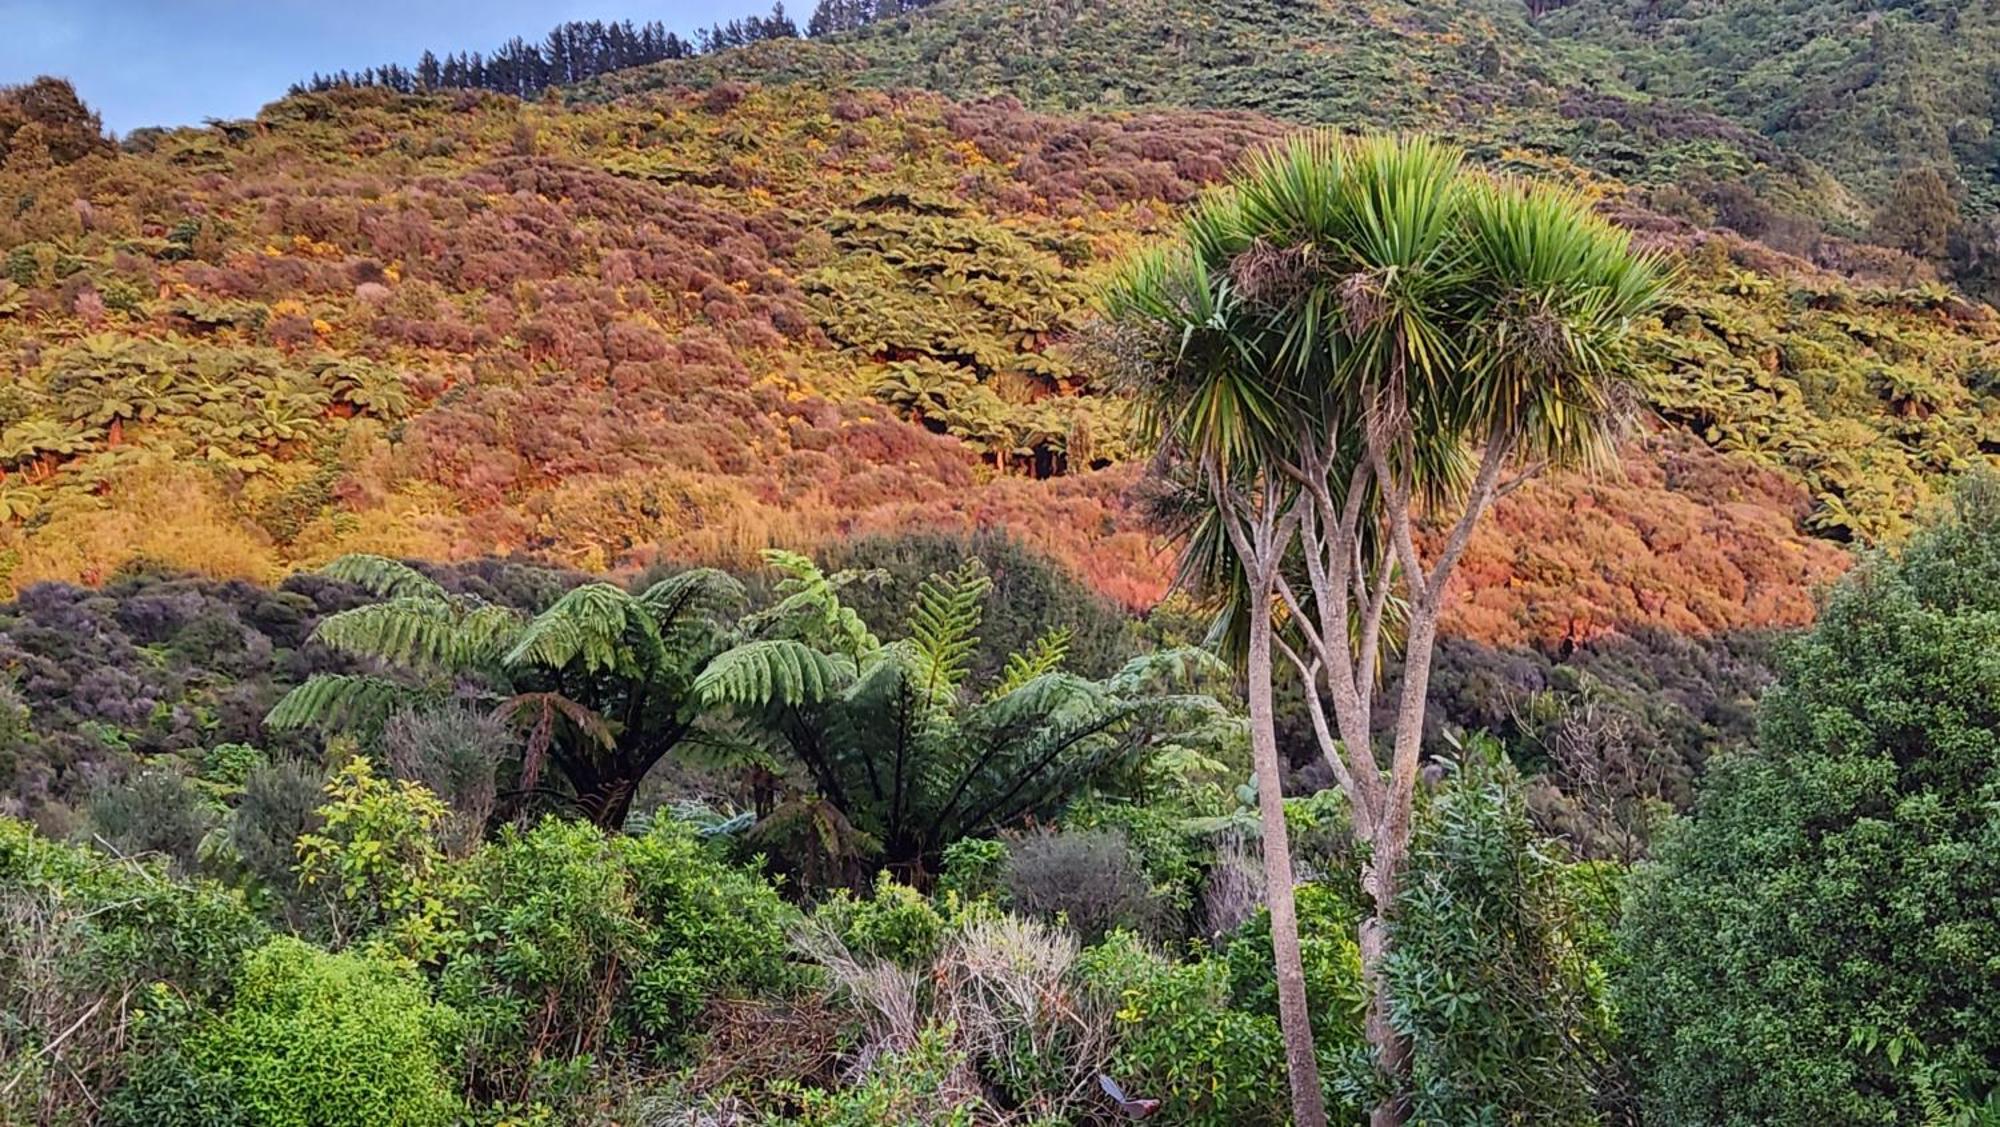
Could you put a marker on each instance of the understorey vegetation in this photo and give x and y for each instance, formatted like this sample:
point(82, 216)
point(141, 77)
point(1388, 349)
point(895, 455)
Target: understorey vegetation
point(214, 914)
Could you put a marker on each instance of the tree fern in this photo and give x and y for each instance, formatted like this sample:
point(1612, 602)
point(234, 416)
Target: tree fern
point(774, 671)
point(421, 633)
point(384, 577)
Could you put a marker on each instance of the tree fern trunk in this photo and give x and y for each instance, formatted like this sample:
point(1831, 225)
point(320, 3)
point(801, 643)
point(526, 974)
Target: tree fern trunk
point(606, 802)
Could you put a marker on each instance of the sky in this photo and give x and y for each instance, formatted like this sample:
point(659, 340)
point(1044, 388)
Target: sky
point(177, 62)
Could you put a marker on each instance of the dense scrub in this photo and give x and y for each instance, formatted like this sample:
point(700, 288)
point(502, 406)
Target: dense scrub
point(559, 974)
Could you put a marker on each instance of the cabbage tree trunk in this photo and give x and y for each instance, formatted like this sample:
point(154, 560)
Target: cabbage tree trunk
point(1301, 1059)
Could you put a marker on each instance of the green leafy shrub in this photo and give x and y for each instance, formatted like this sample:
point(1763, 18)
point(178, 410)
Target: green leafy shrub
point(1328, 923)
point(551, 944)
point(721, 927)
point(1183, 1042)
point(1817, 944)
point(896, 923)
point(229, 765)
point(82, 937)
point(377, 859)
point(973, 868)
point(579, 948)
point(1493, 972)
point(310, 1038)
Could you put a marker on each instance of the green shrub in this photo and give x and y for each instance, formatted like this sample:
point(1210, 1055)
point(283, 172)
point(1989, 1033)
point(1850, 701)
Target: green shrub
point(1328, 924)
point(1493, 970)
point(311, 1038)
point(1817, 945)
point(230, 765)
point(973, 868)
point(1181, 1041)
point(896, 923)
point(716, 929)
point(551, 944)
point(377, 861)
point(82, 937)
point(579, 948)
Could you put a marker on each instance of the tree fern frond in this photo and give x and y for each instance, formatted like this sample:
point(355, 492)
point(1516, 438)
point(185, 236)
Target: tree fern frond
point(334, 701)
point(944, 627)
point(487, 632)
point(702, 592)
point(809, 607)
point(727, 742)
point(1038, 701)
point(541, 710)
point(421, 633)
point(1044, 655)
point(1045, 765)
point(774, 671)
point(1186, 668)
point(384, 577)
point(597, 624)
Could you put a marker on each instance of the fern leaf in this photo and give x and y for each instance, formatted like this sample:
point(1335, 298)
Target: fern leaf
point(944, 627)
point(544, 709)
point(340, 701)
point(1045, 655)
point(384, 577)
point(699, 593)
point(773, 671)
point(809, 607)
point(597, 624)
point(1187, 668)
point(421, 633)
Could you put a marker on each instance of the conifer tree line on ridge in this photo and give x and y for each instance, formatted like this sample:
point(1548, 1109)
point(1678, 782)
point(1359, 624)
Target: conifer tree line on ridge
point(583, 49)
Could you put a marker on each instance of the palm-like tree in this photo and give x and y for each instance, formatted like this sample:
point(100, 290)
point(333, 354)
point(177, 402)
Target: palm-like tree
point(1355, 342)
point(904, 755)
point(602, 682)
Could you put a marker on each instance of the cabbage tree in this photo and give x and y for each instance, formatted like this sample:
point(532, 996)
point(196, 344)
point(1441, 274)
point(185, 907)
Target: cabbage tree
point(1345, 357)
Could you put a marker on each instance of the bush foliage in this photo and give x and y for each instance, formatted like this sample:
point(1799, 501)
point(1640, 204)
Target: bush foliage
point(1818, 942)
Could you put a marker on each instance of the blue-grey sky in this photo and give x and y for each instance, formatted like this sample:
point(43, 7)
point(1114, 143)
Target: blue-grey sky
point(175, 62)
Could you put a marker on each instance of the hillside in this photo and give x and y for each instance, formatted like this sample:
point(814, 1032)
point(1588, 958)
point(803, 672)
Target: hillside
point(696, 323)
point(1868, 90)
point(541, 590)
point(1474, 70)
